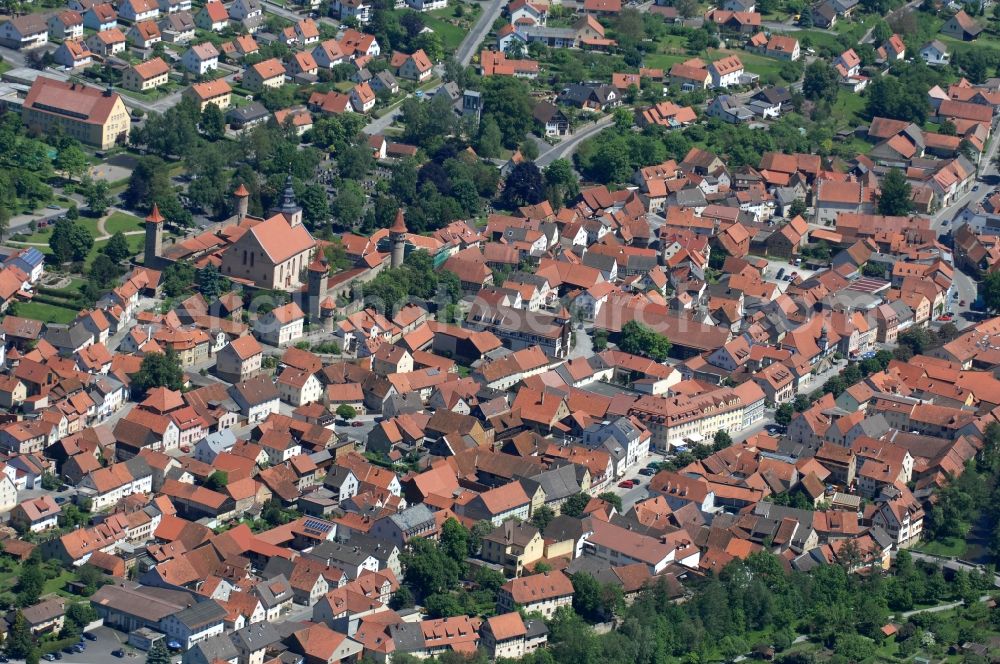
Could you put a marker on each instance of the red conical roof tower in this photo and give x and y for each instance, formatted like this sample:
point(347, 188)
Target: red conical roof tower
point(398, 226)
point(155, 216)
point(241, 191)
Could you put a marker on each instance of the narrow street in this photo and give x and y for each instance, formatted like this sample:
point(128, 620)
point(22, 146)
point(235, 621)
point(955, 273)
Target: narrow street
point(569, 145)
point(478, 33)
point(463, 54)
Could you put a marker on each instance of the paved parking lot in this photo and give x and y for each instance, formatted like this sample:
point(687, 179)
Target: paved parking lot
point(99, 651)
point(774, 266)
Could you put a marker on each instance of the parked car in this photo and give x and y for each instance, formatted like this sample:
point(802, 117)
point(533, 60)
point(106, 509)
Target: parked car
point(357, 424)
point(648, 472)
point(626, 484)
point(118, 653)
point(186, 449)
point(89, 636)
point(781, 272)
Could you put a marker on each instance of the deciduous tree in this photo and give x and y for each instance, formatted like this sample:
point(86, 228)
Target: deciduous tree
point(117, 248)
point(895, 193)
point(638, 339)
point(159, 370)
point(524, 186)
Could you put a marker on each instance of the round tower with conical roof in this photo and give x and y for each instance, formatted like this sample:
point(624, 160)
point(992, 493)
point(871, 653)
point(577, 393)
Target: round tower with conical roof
point(242, 198)
point(317, 284)
point(397, 238)
point(154, 238)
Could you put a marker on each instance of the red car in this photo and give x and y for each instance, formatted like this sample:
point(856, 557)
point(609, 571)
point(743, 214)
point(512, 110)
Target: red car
point(626, 484)
point(357, 424)
point(186, 449)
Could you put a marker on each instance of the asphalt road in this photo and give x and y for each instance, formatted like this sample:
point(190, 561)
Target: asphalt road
point(944, 222)
point(463, 54)
point(569, 145)
point(271, 8)
point(479, 31)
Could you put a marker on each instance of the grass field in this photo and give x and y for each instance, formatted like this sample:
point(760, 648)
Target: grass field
point(849, 108)
point(819, 38)
point(135, 245)
point(43, 235)
point(757, 64)
point(451, 35)
point(121, 221)
point(47, 313)
point(441, 22)
point(951, 547)
point(664, 61)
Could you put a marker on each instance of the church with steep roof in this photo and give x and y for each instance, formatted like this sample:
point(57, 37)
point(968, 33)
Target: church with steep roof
point(270, 253)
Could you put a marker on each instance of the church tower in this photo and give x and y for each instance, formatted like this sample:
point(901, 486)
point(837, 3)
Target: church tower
point(154, 238)
point(397, 238)
point(289, 208)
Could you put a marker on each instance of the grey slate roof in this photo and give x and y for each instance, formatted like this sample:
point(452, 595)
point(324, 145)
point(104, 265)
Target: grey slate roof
point(558, 483)
point(217, 648)
point(256, 636)
point(412, 517)
point(201, 614)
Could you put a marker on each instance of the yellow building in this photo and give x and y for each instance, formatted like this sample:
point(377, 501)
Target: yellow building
point(95, 117)
point(215, 92)
point(146, 75)
point(514, 545)
point(263, 75)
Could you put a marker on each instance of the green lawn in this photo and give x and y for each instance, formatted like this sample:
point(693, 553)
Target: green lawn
point(46, 313)
point(819, 38)
point(56, 585)
point(985, 41)
point(664, 61)
point(121, 221)
point(43, 235)
point(952, 547)
point(135, 245)
point(849, 108)
point(451, 35)
point(671, 44)
point(757, 64)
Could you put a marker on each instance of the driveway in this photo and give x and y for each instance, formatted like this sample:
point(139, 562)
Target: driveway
point(583, 344)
